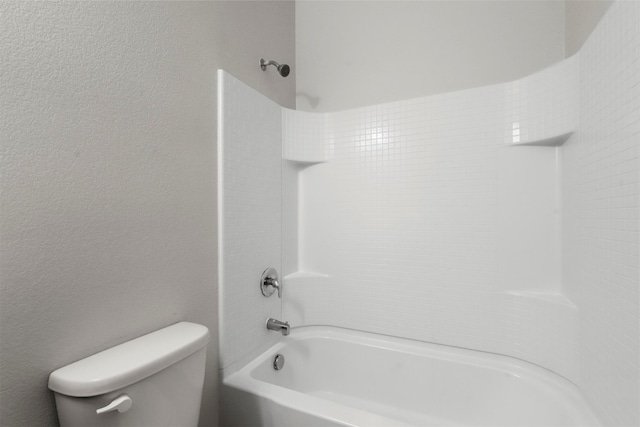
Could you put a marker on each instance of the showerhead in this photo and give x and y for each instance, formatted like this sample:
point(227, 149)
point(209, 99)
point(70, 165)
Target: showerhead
point(283, 69)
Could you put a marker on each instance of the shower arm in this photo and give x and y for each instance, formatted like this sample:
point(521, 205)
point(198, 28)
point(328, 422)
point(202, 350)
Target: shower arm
point(264, 64)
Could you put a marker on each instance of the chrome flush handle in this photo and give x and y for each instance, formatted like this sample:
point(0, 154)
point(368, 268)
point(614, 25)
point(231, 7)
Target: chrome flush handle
point(269, 283)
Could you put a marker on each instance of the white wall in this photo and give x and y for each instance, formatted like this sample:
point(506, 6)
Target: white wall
point(356, 53)
point(581, 17)
point(109, 175)
point(601, 188)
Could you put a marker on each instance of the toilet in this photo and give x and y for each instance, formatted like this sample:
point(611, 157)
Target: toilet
point(154, 380)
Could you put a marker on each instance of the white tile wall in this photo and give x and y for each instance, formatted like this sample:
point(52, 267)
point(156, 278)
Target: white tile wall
point(543, 105)
point(426, 225)
point(249, 188)
point(601, 204)
point(543, 328)
point(306, 137)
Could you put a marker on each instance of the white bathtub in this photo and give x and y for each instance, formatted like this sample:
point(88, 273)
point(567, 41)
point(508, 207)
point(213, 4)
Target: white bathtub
point(337, 377)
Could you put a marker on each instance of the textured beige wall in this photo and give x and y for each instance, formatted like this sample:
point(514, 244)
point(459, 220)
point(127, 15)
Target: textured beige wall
point(581, 17)
point(108, 175)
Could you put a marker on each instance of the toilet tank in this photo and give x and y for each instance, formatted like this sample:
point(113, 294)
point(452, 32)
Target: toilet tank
point(154, 380)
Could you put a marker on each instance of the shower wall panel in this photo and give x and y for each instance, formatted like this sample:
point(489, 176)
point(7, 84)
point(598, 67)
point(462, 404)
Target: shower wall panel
point(250, 214)
point(428, 219)
point(601, 166)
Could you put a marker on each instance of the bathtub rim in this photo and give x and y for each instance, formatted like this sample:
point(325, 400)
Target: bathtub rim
point(389, 342)
point(240, 377)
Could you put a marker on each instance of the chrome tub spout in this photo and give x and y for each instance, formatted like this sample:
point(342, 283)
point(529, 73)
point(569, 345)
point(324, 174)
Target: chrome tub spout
point(278, 326)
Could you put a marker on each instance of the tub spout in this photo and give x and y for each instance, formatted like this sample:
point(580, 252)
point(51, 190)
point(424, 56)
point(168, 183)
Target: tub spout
point(278, 326)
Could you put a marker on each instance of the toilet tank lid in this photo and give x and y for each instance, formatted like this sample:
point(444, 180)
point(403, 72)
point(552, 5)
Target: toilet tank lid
point(129, 362)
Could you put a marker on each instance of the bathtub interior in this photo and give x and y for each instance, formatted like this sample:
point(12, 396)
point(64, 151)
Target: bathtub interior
point(355, 376)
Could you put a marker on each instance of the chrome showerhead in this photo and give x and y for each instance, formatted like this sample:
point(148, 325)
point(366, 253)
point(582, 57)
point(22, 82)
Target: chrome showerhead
point(283, 69)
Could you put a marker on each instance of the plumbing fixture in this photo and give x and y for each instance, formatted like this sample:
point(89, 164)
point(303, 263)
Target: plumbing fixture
point(269, 283)
point(153, 380)
point(283, 69)
point(278, 326)
point(278, 362)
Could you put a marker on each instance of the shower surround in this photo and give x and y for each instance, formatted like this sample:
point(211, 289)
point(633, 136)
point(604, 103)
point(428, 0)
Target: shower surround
point(434, 219)
point(502, 218)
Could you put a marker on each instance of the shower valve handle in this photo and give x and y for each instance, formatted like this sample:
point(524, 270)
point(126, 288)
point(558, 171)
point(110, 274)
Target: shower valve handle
point(269, 283)
point(273, 282)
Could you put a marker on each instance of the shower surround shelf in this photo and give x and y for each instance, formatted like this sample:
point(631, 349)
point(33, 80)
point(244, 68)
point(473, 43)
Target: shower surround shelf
point(549, 297)
point(303, 164)
point(553, 141)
